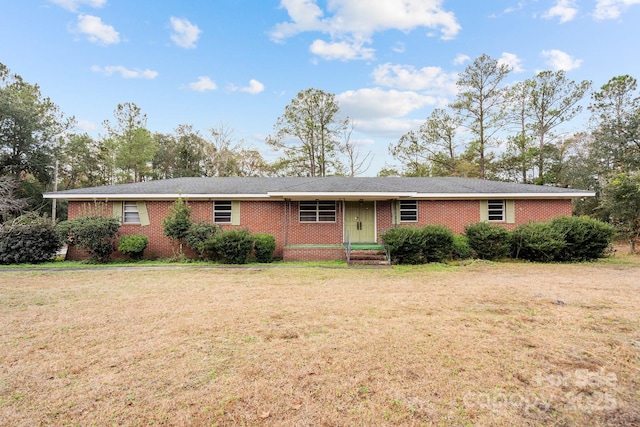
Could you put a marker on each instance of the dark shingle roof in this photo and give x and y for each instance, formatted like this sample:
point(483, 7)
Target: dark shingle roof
point(423, 187)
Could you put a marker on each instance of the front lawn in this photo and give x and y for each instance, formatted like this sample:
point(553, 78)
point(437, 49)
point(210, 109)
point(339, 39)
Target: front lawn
point(509, 344)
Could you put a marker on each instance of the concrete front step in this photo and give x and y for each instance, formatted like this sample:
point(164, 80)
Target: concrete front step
point(368, 257)
point(369, 262)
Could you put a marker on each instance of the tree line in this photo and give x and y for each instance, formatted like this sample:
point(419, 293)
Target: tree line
point(491, 130)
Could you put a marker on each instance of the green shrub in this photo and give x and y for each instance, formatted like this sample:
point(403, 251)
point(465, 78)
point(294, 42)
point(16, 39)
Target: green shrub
point(31, 241)
point(437, 243)
point(537, 241)
point(176, 225)
point(229, 247)
point(133, 245)
point(413, 245)
point(198, 233)
point(263, 247)
point(461, 248)
point(488, 241)
point(585, 238)
point(404, 244)
point(96, 235)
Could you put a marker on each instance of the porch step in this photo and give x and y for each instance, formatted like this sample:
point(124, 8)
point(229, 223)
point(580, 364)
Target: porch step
point(368, 257)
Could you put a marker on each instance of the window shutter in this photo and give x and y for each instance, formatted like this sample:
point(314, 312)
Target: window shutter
point(143, 213)
point(484, 210)
point(235, 212)
point(510, 211)
point(117, 210)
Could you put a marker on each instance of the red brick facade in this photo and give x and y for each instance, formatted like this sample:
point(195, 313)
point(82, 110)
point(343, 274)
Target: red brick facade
point(281, 219)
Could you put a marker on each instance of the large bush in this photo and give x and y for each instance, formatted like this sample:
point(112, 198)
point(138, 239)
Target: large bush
point(488, 241)
point(133, 245)
point(263, 247)
point(404, 244)
point(585, 238)
point(537, 241)
point(30, 241)
point(413, 245)
point(437, 243)
point(96, 235)
point(230, 247)
point(461, 248)
point(198, 233)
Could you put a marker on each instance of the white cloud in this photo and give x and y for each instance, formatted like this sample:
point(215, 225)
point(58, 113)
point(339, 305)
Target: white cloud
point(560, 60)
point(125, 73)
point(398, 47)
point(185, 34)
point(203, 84)
point(611, 9)
point(96, 31)
point(516, 8)
point(86, 126)
point(341, 50)
point(461, 59)
point(73, 5)
point(255, 87)
point(512, 61)
point(379, 103)
point(406, 77)
point(563, 9)
point(355, 21)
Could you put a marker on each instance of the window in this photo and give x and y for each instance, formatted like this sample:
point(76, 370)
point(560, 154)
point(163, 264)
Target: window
point(495, 210)
point(408, 211)
point(318, 211)
point(222, 211)
point(130, 214)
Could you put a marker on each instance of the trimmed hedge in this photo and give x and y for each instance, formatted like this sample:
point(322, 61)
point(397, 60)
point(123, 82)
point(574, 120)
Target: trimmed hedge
point(404, 244)
point(263, 247)
point(198, 233)
point(133, 245)
point(585, 238)
point(229, 247)
point(96, 235)
point(418, 245)
point(34, 242)
point(488, 241)
point(461, 248)
point(537, 241)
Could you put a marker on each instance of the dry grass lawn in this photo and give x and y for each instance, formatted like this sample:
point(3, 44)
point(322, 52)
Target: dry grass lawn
point(484, 344)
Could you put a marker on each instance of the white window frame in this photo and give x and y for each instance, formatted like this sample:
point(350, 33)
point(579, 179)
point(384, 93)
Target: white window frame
point(410, 209)
point(223, 212)
point(318, 209)
point(496, 210)
point(130, 213)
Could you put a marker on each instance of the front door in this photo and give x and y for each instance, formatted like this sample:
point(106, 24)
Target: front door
point(360, 222)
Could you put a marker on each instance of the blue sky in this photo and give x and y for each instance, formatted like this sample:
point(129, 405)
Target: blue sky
point(240, 62)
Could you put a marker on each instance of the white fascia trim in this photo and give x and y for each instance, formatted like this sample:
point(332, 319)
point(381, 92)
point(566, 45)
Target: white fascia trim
point(467, 196)
point(168, 196)
point(340, 195)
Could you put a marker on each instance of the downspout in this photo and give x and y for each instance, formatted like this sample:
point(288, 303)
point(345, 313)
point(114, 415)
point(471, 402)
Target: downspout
point(286, 220)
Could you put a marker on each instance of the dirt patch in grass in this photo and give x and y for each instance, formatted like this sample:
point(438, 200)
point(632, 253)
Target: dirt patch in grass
point(486, 344)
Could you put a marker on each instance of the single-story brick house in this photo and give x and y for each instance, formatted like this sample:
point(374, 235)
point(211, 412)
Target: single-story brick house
point(312, 217)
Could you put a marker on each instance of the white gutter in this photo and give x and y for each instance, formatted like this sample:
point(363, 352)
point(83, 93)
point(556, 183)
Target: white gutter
point(467, 196)
point(150, 196)
point(341, 194)
point(319, 195)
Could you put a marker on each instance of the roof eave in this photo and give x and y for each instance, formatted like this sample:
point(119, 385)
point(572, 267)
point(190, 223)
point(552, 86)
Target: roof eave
point(467, 196)
point(318, 195)
point(150, 196)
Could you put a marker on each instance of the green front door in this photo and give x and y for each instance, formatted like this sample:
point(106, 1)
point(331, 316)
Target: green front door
point(360, 222)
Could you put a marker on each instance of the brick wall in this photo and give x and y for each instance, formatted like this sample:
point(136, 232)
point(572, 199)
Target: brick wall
point(270, 217)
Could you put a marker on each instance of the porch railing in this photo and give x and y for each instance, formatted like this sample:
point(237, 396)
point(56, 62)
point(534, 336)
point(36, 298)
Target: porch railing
point(347, 248)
